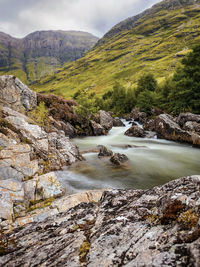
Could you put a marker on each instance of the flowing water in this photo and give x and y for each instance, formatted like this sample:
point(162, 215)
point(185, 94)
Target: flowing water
point(151, 162)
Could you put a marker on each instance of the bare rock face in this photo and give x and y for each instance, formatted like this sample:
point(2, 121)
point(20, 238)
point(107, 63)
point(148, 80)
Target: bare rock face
point(106, 120)
point(16, 95)
point(118, 159)
point(135, 131)
point(157, 227)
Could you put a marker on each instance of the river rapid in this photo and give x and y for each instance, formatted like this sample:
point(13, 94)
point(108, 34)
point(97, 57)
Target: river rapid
point(151, 162)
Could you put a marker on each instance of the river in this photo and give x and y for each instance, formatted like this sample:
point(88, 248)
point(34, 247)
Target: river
point(152, 162)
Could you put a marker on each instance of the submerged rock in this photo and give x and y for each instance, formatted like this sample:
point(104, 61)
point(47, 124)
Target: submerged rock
point(156, 227)
point(104, 152)
point(119, 159)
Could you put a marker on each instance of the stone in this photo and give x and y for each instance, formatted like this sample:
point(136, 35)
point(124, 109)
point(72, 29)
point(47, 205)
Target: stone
point(106, 120)
point(137, 115)
point(104, 152)
point(155, 227)
point(48, 186)
point(15, 162)
point(135, 131)
point(117, 122)
point(6, 205)
point(185, 117)
point(192, 126)
point(119, 159)
point(97, 129)
point(16, 95)
point(166, 127)
point(68, 129)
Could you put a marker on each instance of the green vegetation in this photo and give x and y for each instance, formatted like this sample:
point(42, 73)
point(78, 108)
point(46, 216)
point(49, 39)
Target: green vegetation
point(154, 45)
point(40, 114)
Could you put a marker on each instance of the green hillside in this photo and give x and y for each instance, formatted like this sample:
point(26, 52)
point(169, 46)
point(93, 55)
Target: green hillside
point(153, 41)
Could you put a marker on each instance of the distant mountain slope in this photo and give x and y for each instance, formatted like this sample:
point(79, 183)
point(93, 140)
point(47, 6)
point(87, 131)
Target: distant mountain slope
point(41, 52)
point(152, 41)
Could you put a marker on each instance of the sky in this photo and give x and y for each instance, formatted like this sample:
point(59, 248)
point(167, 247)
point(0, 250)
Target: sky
point(21, 17)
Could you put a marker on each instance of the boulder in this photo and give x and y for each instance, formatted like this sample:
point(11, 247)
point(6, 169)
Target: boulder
point(104, 152)
point(117, 122)
point(16, 95)
point(137, 115)
point(192, 126)
point(185, 117)
point(97, 128)
point(167, 128)
point(106, 120)
point(119, 159)
point(68, 129)
point(135, 131)
point(155, 227)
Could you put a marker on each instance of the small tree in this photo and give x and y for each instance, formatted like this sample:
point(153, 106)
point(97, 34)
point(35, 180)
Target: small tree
point(146, 82)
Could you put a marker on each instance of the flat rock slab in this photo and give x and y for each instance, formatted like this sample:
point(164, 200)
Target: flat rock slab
point(157, 227)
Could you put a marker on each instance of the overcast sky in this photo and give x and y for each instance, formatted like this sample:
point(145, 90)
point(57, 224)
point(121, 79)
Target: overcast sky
point(21, 17)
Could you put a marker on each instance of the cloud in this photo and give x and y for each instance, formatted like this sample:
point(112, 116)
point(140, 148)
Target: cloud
point(20, 17)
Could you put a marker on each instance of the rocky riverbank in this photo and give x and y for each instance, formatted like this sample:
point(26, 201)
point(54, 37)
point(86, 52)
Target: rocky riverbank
point(157, 227)
point(184, 129)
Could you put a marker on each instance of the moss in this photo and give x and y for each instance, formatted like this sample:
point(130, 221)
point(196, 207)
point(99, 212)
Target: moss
point(40, 204)
point(83, 251)
point(172, 212)
point(188, 219)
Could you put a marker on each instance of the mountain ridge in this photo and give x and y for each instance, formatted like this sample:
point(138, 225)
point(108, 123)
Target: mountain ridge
point(41, 52)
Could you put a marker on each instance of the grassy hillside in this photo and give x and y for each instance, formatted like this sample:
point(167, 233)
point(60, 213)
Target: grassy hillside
point(153, 41)
point(42, 52)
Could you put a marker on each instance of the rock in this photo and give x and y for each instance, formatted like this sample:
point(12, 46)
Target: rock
point(54, 147)
point(68, 129)
point(48, 186)
point(185, 117)
point(119, 159)
point(117, 122)
point(155, 227)
point(106, 120)
point(6, 204)
point(104, 152)
point(167, 128)
point(192, 126)
point(97, 128)
point(135, 131)
point(16, 95)
point(138, 116)
point(15, 162)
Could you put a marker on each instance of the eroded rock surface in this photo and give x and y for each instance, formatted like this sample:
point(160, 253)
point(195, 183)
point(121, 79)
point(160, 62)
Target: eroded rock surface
point(119, 159)
point(157, 227)
point(15, 94)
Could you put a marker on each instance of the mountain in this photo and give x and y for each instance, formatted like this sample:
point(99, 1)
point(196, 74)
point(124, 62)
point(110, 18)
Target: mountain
point(153, 41)
point(41, 52)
